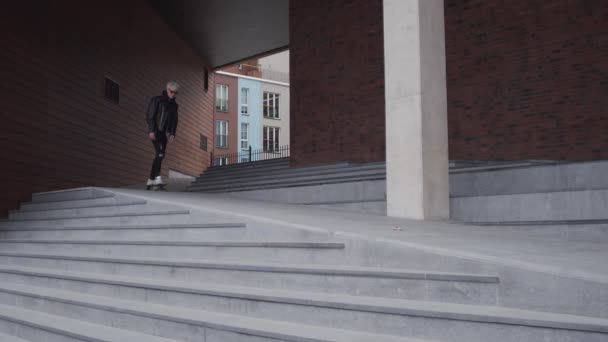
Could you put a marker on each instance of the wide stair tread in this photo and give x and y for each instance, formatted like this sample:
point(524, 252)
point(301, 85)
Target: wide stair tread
point(343, 270)
point(228, 322)
point(73, 328)
point(10, 338)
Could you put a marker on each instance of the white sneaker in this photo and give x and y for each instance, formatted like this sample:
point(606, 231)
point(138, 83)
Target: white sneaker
point(158, 181)
point(150, 182)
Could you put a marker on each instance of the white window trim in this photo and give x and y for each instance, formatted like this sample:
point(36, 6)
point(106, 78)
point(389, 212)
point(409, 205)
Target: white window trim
point(245, 100)
point(246, 139)
point(267, 99)
point(223, 127)
point(275, 134)
point(221, 95)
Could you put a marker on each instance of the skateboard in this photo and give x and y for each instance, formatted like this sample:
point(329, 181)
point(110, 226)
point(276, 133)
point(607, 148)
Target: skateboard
point(159, 187)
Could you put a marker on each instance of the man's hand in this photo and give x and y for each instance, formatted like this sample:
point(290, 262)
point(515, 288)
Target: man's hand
point(171, 138)
point(152, 136)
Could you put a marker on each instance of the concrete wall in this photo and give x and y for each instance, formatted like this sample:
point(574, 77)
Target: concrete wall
point(254, 115)
point(59, 130)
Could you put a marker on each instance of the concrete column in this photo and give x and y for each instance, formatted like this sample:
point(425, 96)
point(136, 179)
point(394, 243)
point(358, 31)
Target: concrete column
point(416, 110)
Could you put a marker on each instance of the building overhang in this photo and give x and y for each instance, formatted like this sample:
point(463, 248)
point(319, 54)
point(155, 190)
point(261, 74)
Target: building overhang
point(224, 32)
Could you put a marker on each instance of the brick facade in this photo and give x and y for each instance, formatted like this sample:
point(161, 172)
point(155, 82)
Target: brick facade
point(58, 129)
point(527, 79)
point(337, 81)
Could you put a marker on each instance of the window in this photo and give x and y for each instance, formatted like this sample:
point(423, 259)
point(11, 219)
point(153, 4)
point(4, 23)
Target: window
point(271, 105)
point(245, 100)
point(271, 139)
point(244, 136)
point(221, 98)
point(220, 161)
point(112, 90)
point(221, 133)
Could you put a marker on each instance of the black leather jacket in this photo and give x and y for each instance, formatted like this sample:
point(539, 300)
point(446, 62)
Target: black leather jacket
point(162, 114)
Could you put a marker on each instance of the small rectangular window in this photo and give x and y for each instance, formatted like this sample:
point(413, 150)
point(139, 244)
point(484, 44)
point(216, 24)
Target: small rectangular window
point(244, 100)
point(244, 136)
point(221, 133)
point(221, 98)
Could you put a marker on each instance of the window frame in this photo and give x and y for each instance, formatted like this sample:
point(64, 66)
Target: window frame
point(218, 133)
point(219, 99)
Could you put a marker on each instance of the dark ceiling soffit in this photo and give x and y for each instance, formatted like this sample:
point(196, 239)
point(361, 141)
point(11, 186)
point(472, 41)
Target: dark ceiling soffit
point(259, 55)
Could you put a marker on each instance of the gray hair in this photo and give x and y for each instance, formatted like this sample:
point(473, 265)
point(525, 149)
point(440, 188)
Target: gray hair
point(173, 85)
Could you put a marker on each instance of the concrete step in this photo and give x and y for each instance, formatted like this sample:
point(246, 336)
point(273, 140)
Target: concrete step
point(70, 195)
point(294, 183)
point(353, 191)
point(308, 171)
point(36, 326)
point(9, 338)
point(396, 318)
point(123, 218)
point(186, 232)
point(547, 206)
point(259, 251)
point(255, 164)
point(237, 172)
point(530, 179)
point(245, 182)
point(180, 291)
point(133, 206)
point(253, 167)
point(177, 322)
point(81, 203)
point(368, 281)
point(377, 207)
point(588, 230)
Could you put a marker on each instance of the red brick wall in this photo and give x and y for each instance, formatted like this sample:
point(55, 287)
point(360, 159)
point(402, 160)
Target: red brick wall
point(527, 79)
point(231, 116)
point(58, 131)
point(337, 81)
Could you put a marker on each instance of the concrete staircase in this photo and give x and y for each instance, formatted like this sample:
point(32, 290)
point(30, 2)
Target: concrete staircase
point(104, 265)
point(358, 187)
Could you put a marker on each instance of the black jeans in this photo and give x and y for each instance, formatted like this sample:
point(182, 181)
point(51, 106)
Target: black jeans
point(160, 146)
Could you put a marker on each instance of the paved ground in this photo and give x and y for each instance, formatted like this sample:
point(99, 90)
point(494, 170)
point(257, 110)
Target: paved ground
point(576, 256)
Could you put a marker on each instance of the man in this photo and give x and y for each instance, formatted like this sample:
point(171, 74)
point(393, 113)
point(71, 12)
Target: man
point(162, 122)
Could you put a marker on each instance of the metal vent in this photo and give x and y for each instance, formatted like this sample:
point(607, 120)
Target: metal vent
point(206, 79)
point(203, 143)
point(112, 90)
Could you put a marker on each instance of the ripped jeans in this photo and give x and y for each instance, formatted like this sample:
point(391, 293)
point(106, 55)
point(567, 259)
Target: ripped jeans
point(160, 146)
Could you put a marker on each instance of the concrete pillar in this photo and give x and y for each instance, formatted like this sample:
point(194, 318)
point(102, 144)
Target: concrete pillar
point(416, 109)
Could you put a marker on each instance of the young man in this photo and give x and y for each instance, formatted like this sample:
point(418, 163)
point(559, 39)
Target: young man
point(162, 122)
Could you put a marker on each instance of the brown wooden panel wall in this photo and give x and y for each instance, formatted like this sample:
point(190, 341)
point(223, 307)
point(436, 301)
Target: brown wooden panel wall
point(58, 129)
